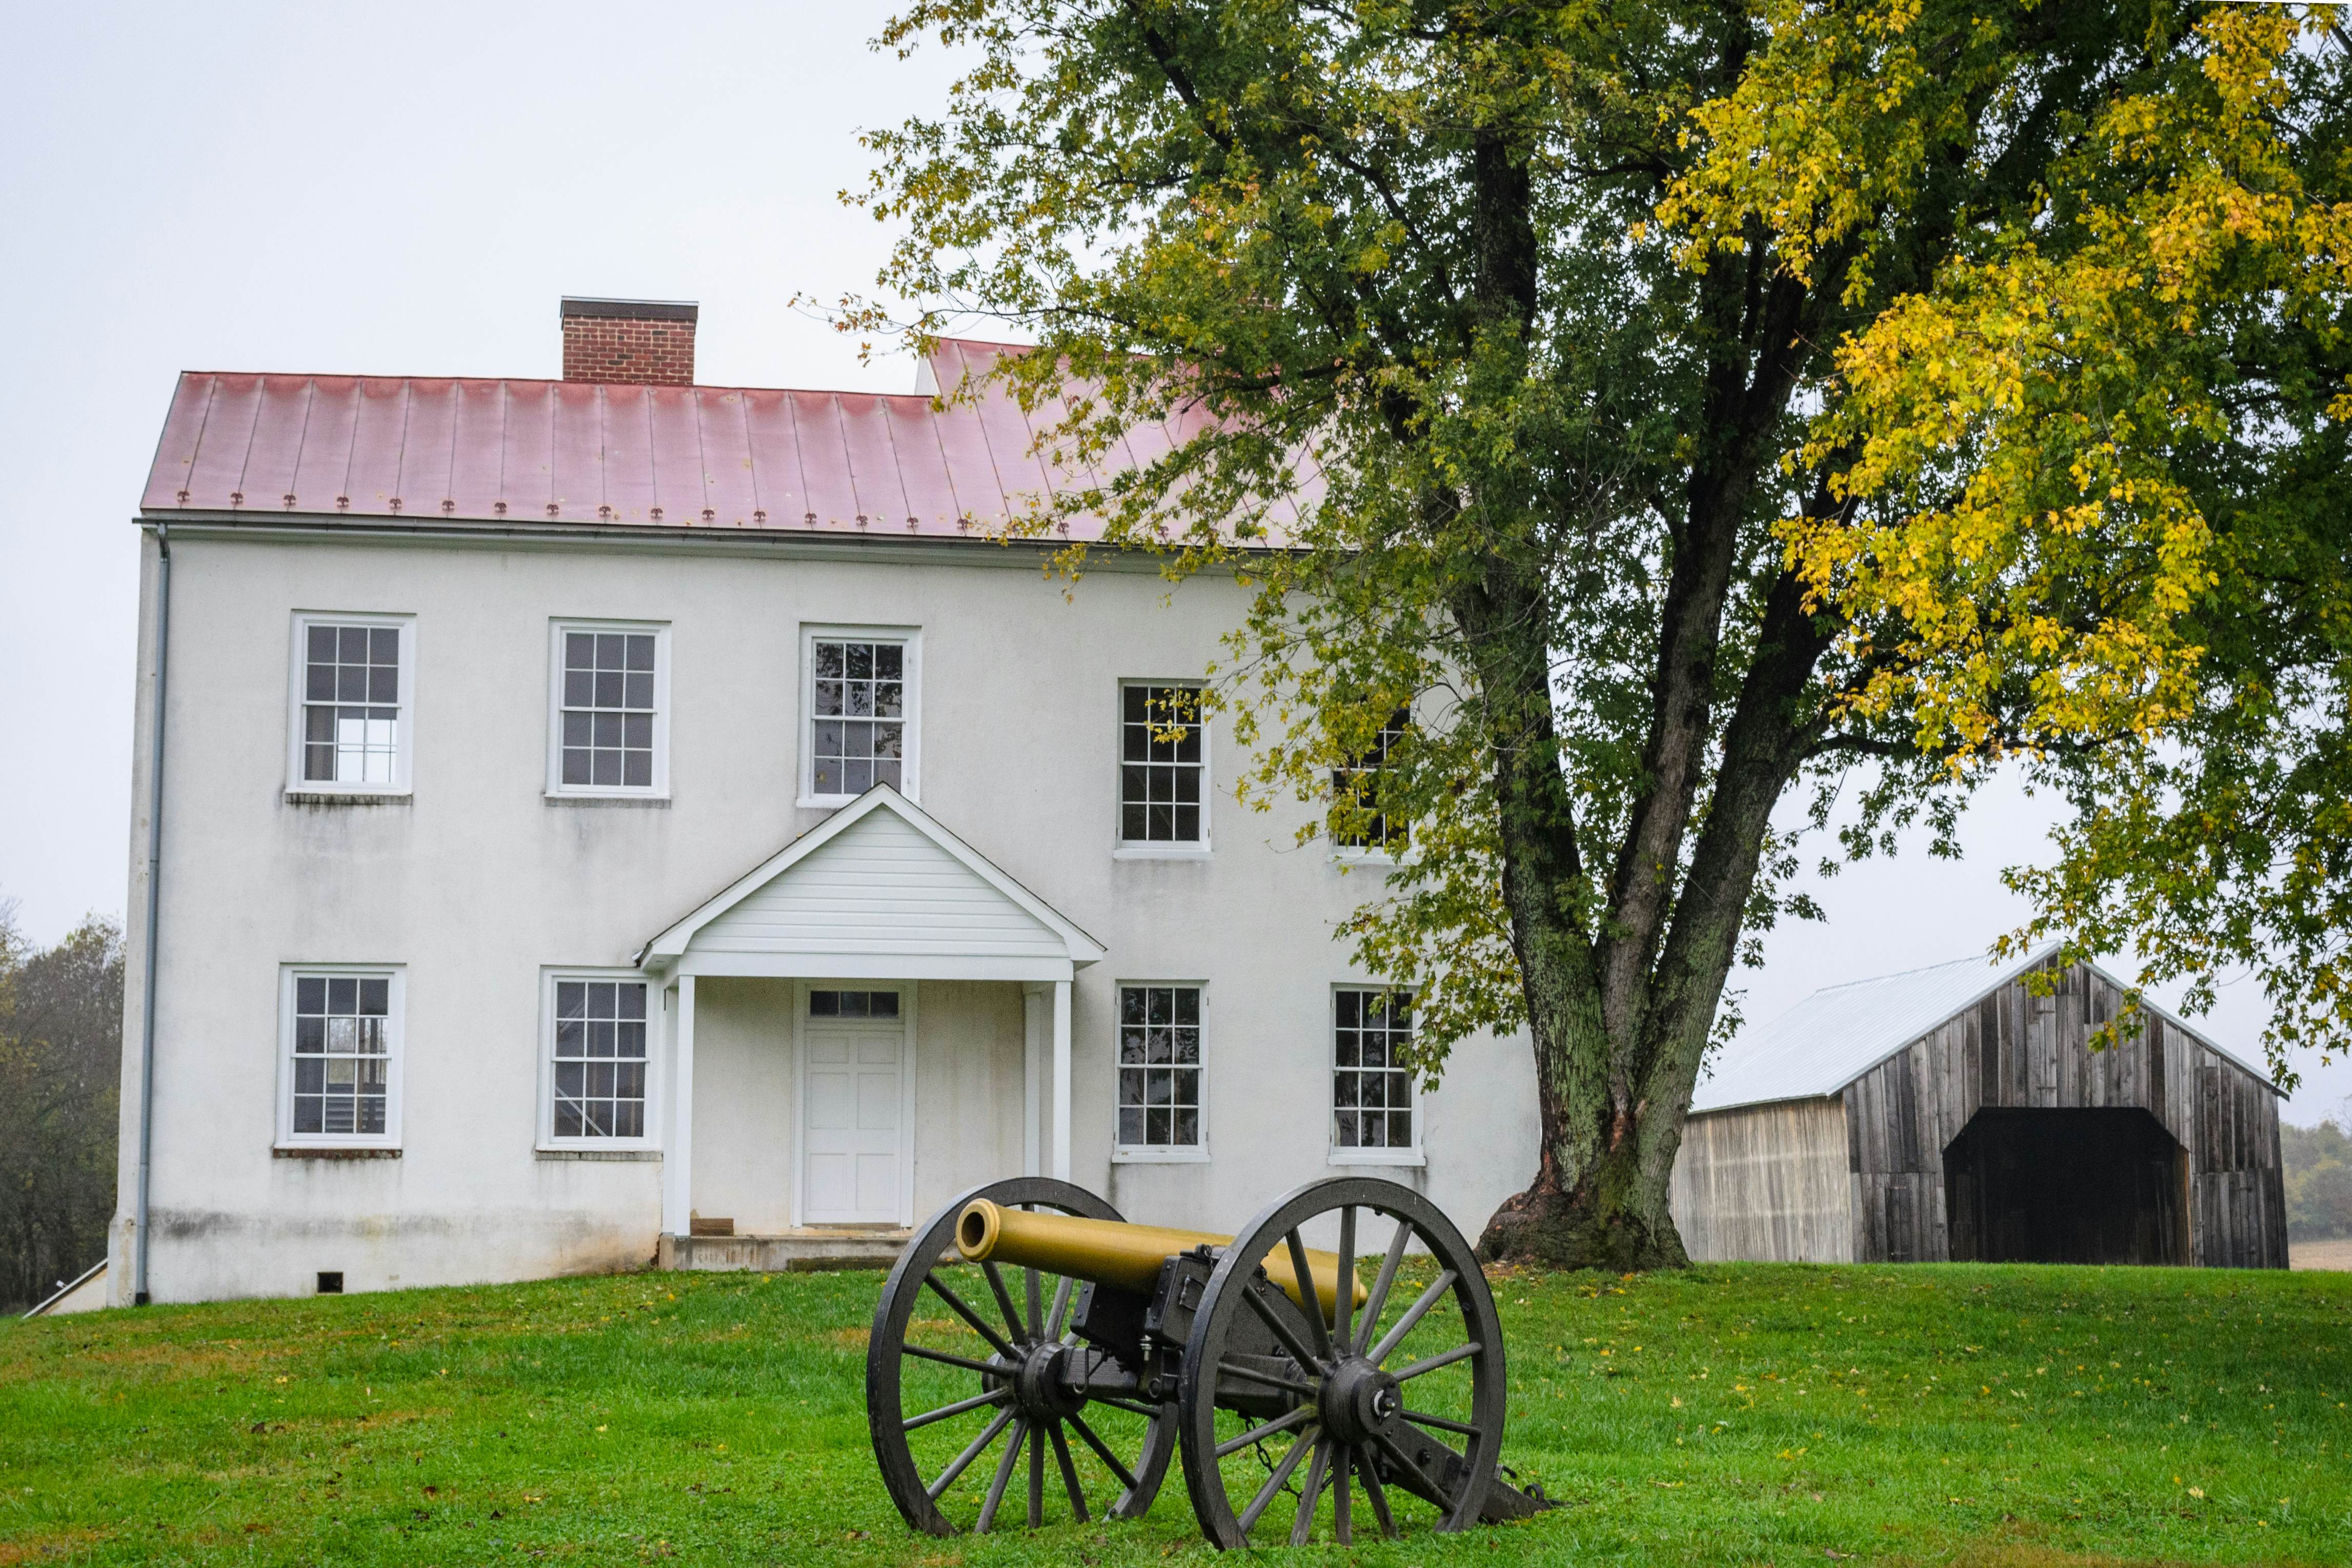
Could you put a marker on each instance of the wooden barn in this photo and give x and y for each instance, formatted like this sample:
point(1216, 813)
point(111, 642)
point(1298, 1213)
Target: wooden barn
point(1949, 1114)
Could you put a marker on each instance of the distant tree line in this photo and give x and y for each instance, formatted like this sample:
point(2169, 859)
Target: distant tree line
point(2319, 1161)
point(60, 1071)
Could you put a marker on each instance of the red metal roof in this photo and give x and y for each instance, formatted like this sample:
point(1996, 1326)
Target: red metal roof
point(580, 452)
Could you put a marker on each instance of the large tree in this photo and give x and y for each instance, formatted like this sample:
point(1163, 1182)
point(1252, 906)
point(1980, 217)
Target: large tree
point(1521, 354)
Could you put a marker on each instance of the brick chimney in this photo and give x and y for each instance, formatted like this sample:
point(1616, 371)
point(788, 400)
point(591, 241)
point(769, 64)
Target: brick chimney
point(649, 341)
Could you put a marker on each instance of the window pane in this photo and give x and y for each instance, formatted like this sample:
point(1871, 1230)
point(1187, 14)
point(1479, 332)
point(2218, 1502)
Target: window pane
point(1161, 779)
point(1158, 1048)
point(608, 710)
point(600, 1075)
point(342, 1053)
point(855, 681)
point(1371, 1098)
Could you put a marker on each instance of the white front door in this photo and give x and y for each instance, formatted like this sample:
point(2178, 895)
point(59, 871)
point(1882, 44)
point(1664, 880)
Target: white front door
point(854, 1156)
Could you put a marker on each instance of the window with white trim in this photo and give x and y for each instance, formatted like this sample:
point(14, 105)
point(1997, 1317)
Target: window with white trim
point(352, 676)
point(1360, 823)
point(1371, 1090)
point(1159, 1069)
point(597, 1058)
point(861, 713)
point(340, 1041)
point(1163, 762)
point(610, 729)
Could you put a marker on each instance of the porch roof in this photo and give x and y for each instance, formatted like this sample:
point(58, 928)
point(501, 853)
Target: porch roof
point(878, 890)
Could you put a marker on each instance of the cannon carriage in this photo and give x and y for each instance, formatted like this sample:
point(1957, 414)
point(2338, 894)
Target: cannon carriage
point(1029, 1336)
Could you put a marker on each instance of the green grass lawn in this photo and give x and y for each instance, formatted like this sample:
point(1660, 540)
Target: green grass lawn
point(1748, 1415)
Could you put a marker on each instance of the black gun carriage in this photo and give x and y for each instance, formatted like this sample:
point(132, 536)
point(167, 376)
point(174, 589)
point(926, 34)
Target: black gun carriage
point(1029, 1337)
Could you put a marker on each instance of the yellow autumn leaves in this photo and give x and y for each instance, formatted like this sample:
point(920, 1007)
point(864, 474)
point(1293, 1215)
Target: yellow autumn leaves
point(2018, 546)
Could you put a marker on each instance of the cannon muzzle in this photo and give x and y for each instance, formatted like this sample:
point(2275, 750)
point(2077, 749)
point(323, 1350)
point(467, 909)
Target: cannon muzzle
point(1123, 1256)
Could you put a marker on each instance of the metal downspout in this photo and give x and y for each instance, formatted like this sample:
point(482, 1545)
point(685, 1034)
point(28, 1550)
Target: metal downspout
point(154, 904)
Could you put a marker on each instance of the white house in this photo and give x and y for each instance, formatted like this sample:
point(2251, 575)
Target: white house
point(596, 822)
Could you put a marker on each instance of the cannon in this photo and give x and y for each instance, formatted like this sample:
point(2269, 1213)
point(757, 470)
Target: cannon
point(1026, 1317)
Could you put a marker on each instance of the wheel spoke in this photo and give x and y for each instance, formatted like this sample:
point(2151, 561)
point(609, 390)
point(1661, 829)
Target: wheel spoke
point(1310, 1295)
point(1300, 1417)
point(1302, 1523)
point(1430, 1364)
point(1274, 1483)
point(1377, 1302)
point(946, 1358)
point(1343, 1529)
point(1342, 1321)
point(1061, 1308)
point(963, 1461)
point(1248, 1374)
point(1377, 1495)
point(1412, 1315)
point(1003, 1296)
point(1069, 1473)
point(1036, 1478)
point(1272, 1319)
point(1132, 1408)
point(998, 1482)
point(969, 1316)
point(1102, 1452)
point(995, 1397)
point(1036, 1305)
point(1440, 1422)
point(1430, 1489)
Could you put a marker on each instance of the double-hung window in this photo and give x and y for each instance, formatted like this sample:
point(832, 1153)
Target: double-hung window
point(597, 1057)
point(862, 685)
point(339, 1048)
point(1159, 1071)
point(609, 730)
point(353, 683)
point(1163, 765)
point(1371, 1089)
point(1358, 823)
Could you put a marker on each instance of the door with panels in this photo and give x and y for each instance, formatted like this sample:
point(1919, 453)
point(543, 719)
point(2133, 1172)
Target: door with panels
point(855, 1077)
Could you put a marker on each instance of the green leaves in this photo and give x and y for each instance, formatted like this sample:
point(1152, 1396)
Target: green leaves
point(2080, 455)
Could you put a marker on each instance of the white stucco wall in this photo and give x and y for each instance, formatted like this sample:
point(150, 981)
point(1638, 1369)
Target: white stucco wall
point(479, 883)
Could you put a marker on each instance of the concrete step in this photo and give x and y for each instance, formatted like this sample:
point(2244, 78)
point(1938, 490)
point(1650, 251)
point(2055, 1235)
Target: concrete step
point(784, 1252)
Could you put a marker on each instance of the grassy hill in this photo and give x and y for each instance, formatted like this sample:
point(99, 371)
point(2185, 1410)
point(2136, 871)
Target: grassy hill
point(1749, 1414)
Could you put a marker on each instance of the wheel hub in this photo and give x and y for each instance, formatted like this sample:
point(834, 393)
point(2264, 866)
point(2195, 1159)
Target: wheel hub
point(1042, 1386)
point(1356, 1400)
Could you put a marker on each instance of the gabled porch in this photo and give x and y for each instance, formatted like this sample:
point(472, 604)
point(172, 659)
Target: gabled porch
point(858, 1027)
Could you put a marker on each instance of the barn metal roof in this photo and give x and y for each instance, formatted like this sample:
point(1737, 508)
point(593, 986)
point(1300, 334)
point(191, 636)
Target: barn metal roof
point(1840, 1032)
point(575, 453)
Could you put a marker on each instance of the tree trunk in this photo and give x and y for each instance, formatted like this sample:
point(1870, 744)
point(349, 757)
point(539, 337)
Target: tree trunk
point(1613, 1084)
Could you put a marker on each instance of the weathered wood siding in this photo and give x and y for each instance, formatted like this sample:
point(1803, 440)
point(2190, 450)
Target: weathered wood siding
point(2237, 1190)
point(2016, 1050)
point(1766, 1182)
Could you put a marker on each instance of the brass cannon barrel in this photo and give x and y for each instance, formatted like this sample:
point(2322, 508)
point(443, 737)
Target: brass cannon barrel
point(1125, 1256)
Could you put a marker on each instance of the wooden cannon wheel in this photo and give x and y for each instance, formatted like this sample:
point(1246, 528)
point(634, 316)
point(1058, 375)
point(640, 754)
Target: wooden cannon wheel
point(960, 1361)
point(1401, 1398)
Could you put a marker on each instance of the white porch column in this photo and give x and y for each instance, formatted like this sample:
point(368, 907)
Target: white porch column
point(1038, 1023)
point(1061, 1080)
point(677, 1157)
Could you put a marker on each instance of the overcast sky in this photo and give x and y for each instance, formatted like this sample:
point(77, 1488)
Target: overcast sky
point(410, 189)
